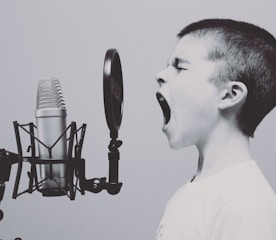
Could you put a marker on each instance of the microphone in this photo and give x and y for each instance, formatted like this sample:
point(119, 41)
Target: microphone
point(51, 130)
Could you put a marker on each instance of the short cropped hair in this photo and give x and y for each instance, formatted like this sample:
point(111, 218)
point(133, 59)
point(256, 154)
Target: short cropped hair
point(248, 54)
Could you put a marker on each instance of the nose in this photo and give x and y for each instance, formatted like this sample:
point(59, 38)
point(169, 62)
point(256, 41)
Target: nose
point(160, 81)
point(160, 78)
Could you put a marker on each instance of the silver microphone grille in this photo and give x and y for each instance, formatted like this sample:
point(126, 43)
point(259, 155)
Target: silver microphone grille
point(49, 94)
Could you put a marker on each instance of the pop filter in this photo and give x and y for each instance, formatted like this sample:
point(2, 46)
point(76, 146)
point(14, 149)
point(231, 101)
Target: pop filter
point(113, 91)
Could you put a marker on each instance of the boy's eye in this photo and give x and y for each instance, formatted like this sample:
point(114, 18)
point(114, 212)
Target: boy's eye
point(177, 65)
point(180, 68)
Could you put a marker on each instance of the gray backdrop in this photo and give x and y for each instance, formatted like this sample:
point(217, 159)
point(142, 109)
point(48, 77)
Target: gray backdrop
point(68, 40)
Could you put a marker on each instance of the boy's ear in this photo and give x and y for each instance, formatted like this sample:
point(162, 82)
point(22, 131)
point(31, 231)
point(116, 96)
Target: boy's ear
point(233, 95)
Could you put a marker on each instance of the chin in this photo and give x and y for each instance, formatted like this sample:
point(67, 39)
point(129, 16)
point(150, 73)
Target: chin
point(174, 147)
point(177, 143)
point(174, 144)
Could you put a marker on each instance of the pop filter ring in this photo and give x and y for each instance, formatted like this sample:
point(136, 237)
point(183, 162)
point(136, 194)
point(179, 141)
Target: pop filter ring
point(113, 91)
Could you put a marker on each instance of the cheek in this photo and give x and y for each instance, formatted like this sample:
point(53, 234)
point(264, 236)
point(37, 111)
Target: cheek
point(194, 103)
point(190, 96)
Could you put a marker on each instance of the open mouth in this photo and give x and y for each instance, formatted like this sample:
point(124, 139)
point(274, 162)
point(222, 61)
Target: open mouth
point(165, 107)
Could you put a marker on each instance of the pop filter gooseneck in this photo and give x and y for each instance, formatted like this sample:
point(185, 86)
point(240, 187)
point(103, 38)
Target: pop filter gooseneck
point(113, 104)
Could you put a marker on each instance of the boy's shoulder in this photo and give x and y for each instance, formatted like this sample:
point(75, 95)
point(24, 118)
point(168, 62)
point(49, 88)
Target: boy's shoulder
point(226, 203)
point(236, 184)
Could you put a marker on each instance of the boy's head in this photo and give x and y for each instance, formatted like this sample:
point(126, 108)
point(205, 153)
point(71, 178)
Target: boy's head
point(247, 54)
point(187, 94)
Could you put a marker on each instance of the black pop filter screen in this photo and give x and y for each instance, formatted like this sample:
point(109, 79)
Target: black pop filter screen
point(113, 91)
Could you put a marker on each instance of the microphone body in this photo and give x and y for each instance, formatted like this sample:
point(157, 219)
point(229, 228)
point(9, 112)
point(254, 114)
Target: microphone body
point(51, 130)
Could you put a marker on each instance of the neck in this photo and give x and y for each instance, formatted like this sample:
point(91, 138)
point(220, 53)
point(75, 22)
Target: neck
point(223, 149)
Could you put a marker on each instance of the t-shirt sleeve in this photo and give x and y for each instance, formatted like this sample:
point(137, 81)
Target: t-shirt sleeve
point(246, 218)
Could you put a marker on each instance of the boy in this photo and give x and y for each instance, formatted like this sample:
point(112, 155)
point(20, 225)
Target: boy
point(219, 84)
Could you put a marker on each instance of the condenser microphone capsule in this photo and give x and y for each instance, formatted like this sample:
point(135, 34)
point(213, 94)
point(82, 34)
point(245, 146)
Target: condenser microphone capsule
point(49, 95)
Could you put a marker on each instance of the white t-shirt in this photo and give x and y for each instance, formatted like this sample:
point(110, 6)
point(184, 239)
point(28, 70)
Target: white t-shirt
point(235, 204)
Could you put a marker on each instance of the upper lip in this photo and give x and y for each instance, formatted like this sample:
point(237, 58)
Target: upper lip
point(164, 106)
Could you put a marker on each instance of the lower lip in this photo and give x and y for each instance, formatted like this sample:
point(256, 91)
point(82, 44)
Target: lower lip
point(165, 126)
